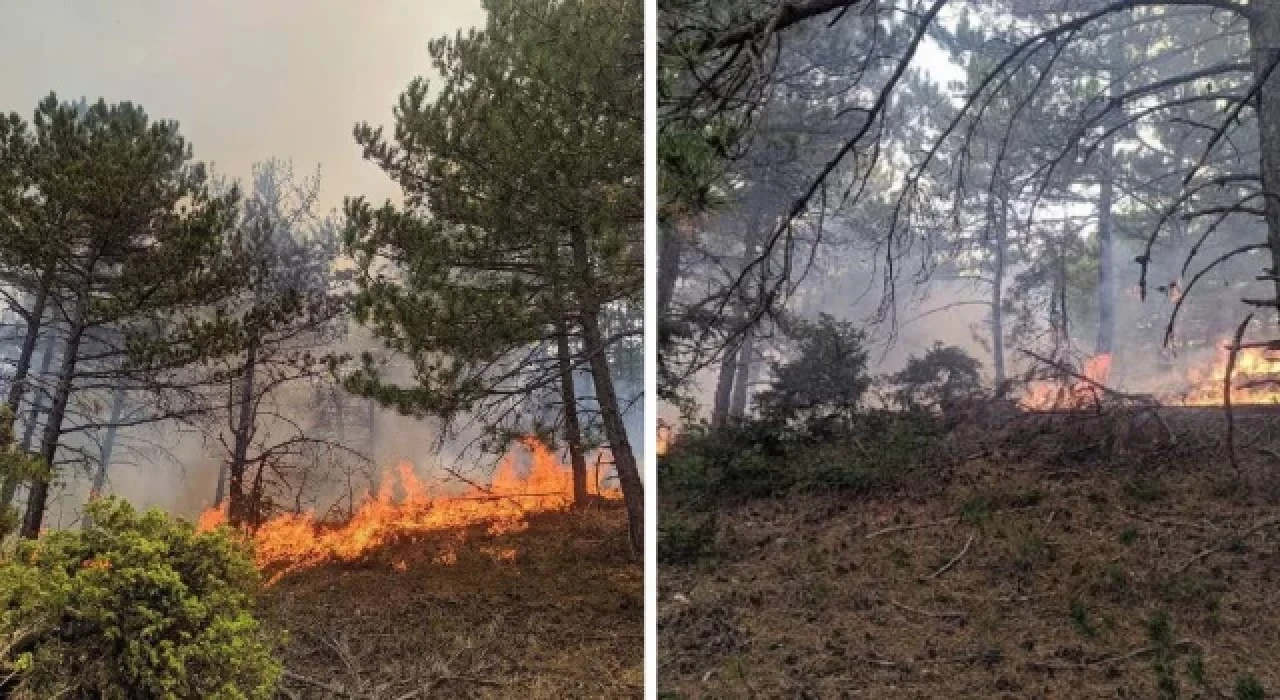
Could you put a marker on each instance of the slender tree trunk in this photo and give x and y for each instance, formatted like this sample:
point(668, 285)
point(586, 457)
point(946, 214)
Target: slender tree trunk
point(615, 430)
point(724, 387)
point(108, 444)
point(11, 481)
point(1106, 341)
point(1106, 265)
point(38, 497)
point(669, 249)
point(372, 418)
point(1001, 225)
point(742, 376)
point(34, 319)
point(220, 491)
point(238, 509)
point(37, 406)
point(572, 427)
point(1264, 33)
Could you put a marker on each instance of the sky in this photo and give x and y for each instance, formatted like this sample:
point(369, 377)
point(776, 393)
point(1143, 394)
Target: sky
point(247, 80)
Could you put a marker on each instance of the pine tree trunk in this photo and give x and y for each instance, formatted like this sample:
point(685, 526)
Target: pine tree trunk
point(38, 406)
point(1264, 33)
point(572, 427)
point(1106, 341)
point(11, 481)
point(108, 444)
point(742, 375)
point(615, 431)
point(238, 510)
point(38, 497)
point(724, 387)
point(668, 267)
point(34, 319)
point(220, 491)
point(1001, 225)
point(371, 443)
point(1106, 264)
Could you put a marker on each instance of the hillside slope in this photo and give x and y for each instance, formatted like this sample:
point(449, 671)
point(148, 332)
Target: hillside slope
point(1010, 578)
point(552, 612)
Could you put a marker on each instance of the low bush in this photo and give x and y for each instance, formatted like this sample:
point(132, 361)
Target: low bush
point(133, 607)
point(682, 540)
point(861, 453)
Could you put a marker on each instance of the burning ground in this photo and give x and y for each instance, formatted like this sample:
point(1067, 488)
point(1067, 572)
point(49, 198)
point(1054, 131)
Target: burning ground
point(498, 591)
point(1052, 555)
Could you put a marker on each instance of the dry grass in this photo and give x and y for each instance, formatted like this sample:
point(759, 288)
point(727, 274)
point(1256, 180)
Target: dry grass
point(1013, 580)
point(563, 620)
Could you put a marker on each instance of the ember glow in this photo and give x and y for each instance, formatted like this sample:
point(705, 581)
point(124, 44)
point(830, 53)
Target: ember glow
point(664, 438)
point(407, 508)
point(1074, 394)
point(1255, 379)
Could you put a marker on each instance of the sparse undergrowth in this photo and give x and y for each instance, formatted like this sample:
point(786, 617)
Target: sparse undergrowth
point(1008, 579)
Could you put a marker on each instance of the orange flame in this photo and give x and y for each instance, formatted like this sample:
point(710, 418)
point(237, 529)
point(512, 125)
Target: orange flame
point(294, 541)
point(1073, 395)
point(1255, 379)
point(664, 438)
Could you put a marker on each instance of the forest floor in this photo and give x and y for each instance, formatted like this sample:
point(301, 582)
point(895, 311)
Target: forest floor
point(555, 611)
point(1007, 579)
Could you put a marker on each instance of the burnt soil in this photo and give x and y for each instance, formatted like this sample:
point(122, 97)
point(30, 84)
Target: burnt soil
point(563, 620)
point(1086, 581)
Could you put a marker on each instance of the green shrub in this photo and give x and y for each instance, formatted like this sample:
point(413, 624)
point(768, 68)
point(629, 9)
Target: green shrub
point(1248, 688)
point(826, 375)
point(134, 607)
point(944, 377)
point(682, 541)
point(865, 452)
point(1080, 618)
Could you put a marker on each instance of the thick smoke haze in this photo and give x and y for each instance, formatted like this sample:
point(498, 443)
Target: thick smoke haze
point(246, 80)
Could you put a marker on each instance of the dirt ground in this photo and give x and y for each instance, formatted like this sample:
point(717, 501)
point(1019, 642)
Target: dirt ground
point(562, 619)
point(1013, 579)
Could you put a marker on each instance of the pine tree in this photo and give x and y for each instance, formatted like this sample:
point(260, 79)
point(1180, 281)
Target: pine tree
point(522, 222)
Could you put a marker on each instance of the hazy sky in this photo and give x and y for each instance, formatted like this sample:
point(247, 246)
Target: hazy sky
point(247, 79)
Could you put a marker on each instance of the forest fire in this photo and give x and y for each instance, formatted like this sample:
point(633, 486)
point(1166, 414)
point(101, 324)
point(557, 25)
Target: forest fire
point(293, 541)
point(1255, 382)
point(1080, 393)
point(1255, 379)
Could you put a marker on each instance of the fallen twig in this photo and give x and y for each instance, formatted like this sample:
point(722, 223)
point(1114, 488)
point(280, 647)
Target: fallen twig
point(324, 685)
point(1106, 661)
point(1165, 522)
point(956, 558)
point(926, 613)
point(917, 526)
point(938, 523)
point(1262, 525)
point(1141, 398)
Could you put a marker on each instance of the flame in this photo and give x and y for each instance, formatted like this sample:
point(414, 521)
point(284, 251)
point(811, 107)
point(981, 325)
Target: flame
point(1255, 379)
point(1072, 395)
point(664, 438)
point(295, 541)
